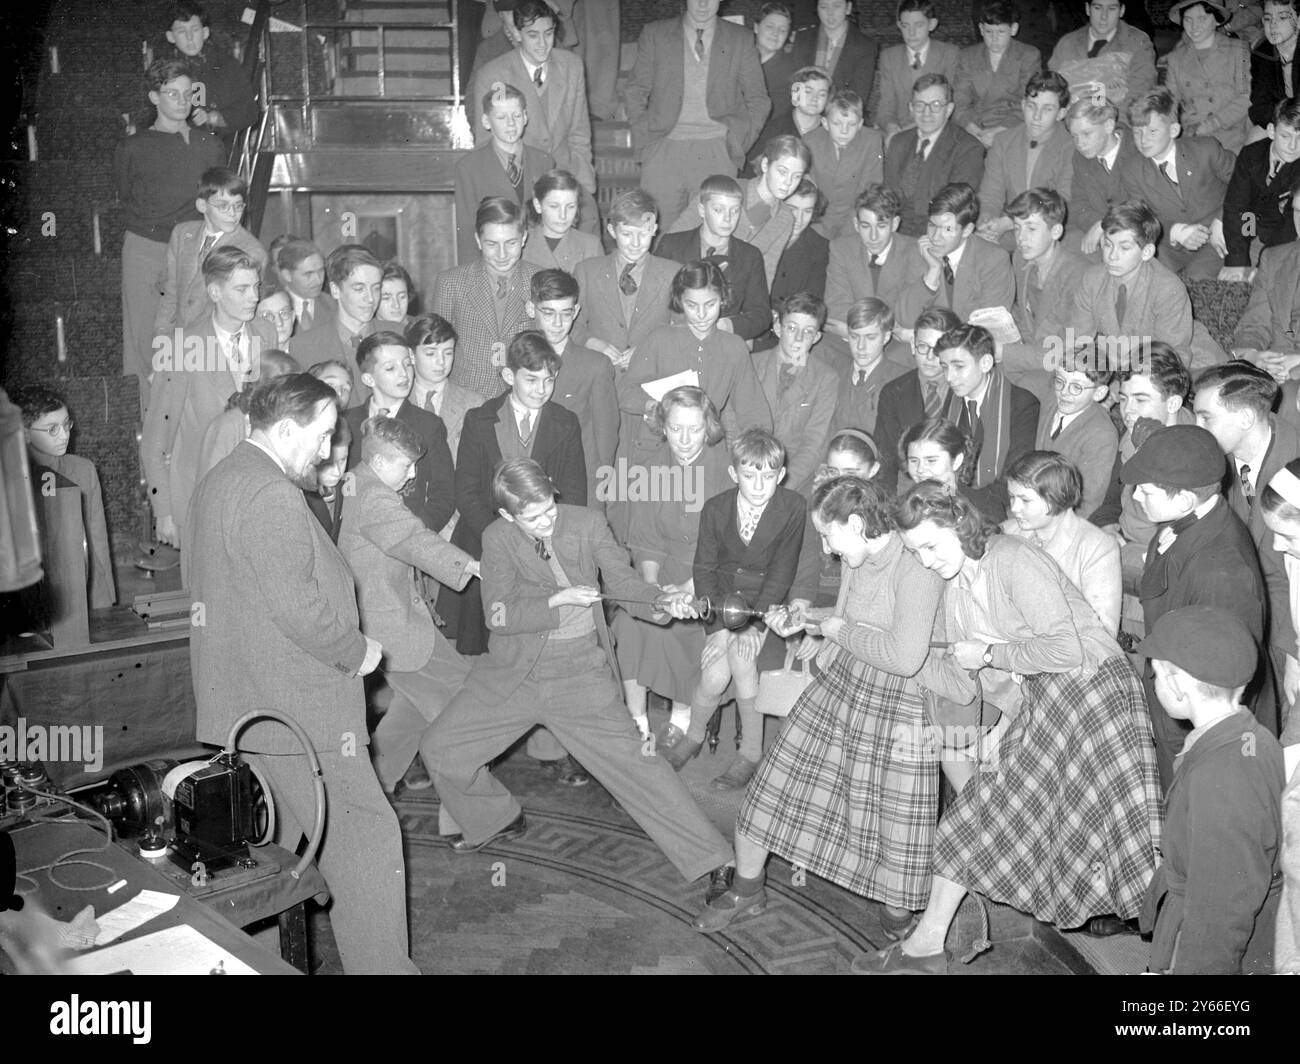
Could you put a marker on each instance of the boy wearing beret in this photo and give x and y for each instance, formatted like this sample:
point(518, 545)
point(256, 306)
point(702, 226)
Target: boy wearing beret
point(1201, 553)
point(1213, 902)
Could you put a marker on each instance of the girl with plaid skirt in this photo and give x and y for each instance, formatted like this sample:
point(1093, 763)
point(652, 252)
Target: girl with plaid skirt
point(1061, 814)
point(848, 790)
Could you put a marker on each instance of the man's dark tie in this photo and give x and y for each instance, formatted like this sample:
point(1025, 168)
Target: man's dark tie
point(931, 399)
point(916, 60)
point(1121, 304)
point(208, 241)
point(920, 149)
point(873, 266)
point(1033, 145)
point(859, 377)
point(543, 551)
point(1060, 424)
point(539, 79)
point(513, 170)
point(699, 45)
point(501, 287)
point(948, 275)
point(626, 282)
point(308, 315)
point(1096, 48)
point(713, 253)
point(1247, 486)
point(968, 416)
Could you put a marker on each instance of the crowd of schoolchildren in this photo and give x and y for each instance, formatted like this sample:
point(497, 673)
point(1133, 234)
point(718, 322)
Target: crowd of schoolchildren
point(899, 339)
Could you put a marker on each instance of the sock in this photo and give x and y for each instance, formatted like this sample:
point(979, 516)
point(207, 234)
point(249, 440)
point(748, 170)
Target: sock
point(747, 887)
point(700, 714)
point(642, 725)
point(681, 716)
point(751, 722)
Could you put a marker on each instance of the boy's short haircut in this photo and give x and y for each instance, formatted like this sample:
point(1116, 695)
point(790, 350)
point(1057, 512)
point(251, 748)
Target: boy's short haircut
point(881, 200)
point(277, 363)
point(1048, 81)
point(184, 10)
point(702, 273)
point(498, 210)
point(1045, 201)
point(319, 369)
point(773, 9)
point(808, 187)
point(1132, 216)
point(810, 73)
point(521, 482)
point(631, 208)
point(1087, 109)
point(35, 401)
point(929, 81)
point(221, 263)
point(1287, 112)
point(527, 12)
point(973, 338)
point(845, 101)
point(389, 437)
point(429, 329)
point(553, 283)
point(998, 13)
point(757, 448)
point(1164, 368)
point(221, 179)
point(1241, 387)
point(161, 71)
point(346, 259)
point(940, 318)
point(957, 199)
point(787, 147)
point(500, 92)
point(368, 349)
point(297, 397)
point(720, 185)
point(870, 311)
point(1159, 101)
point(293, 251)
point(1084, 361)
point(926, 7)
point(531, 351)
point(804, 303)
point(395, 271)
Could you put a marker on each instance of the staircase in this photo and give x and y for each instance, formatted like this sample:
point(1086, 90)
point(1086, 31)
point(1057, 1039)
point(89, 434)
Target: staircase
point(401, 41)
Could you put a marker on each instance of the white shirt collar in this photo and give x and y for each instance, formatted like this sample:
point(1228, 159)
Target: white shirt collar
point(923, 53)
point(954, 257)
point(520, 410)
point(1256, 460)
point(1113, 154)
point(1168, 155)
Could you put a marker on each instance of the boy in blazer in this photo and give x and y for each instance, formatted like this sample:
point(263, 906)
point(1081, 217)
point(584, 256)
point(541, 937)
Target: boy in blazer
point(1102, 152)
point(748, 543)
point(432, 341)
point(391, 552)
point(841, 49)
point(991, 75)
point(221, 202)
point(1213, 903)
point(1259, 205)
point(1270, 60)
point(354, 277)
point(861, 378)
point(542, 562)
point(1106, 38)
point(1076, 424)
point(847, 157)
point(902, 64)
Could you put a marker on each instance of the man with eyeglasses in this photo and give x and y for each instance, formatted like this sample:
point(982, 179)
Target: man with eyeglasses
point(156, 172)
point(221, 202)
point(921, 160)
point(223, 98)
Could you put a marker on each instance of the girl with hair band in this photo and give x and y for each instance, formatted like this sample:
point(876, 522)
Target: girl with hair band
point(553, 237)
point(664, 525)
point(1280, 505)
point(1058, 813)
point(850, 788)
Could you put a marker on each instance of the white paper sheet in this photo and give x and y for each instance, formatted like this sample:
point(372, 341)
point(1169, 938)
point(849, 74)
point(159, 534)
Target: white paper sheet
point(172, 951)
point(999, 322)
point(658, 389)
point(127, 917)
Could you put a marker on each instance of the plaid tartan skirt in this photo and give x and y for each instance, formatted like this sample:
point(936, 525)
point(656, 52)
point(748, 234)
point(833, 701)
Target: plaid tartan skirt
point(846, 791)
point(1070, 816)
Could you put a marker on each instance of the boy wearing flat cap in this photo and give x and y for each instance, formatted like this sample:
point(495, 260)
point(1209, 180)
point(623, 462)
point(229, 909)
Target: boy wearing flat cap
point(1213, 902)
point(1201, 554)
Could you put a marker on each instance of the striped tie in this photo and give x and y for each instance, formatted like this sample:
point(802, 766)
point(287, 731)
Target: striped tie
point(932, 400)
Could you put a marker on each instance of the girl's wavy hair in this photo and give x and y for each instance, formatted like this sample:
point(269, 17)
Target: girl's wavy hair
point(836, 500)
point(956, 443)
point(932, 501)
point(691, 398)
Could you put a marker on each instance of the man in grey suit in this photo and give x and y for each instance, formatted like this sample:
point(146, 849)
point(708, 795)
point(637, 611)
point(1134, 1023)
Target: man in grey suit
point(276, 627)
point(696, 101)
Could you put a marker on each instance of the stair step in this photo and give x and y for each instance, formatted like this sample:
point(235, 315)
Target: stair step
point(608, 134)
point(396, 83)
point(423, 64)
point(398, 11)
point(398, 42)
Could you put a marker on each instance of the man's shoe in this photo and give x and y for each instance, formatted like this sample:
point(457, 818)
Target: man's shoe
point(682, 751)
point(737, 776)
point(1106, 926)
point(669, 737)
point(720, 880)
point(893, 961)
point(721, 911)
point(511, 831)
point(570, 773)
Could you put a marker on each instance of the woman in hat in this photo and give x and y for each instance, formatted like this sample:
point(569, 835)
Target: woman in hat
point(1060, 816)
point(1209, 72)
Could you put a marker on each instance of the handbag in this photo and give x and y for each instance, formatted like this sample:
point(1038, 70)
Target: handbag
point(779, 689)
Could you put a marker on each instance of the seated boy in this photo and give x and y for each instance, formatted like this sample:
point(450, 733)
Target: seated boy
point(748, 312)
point(810, 88)
point(584, 384)
point(1265, 334)
point(902, 64)
point(1130, 298)
point(1258, 207)
point(1203, 555)
point(47, 426)
point(847, 157)
point(748, 544)
point(432, 341)
point(224, 101)
point(991, 76)
point(354, 276)
point(624, 293)
point(390, 552)
point(1035, 152)
point(1076, 423)
point(503, 166)
point(1107, 51)
point(1103, 149)
point(386, 370)
point(221, 202)
point(542, 562)
point(1271, 61)
point(961, 273)
point(862, 376)
point(1001, 418)
point(1213, 903)
point(800, 391)
point(1183, 180)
